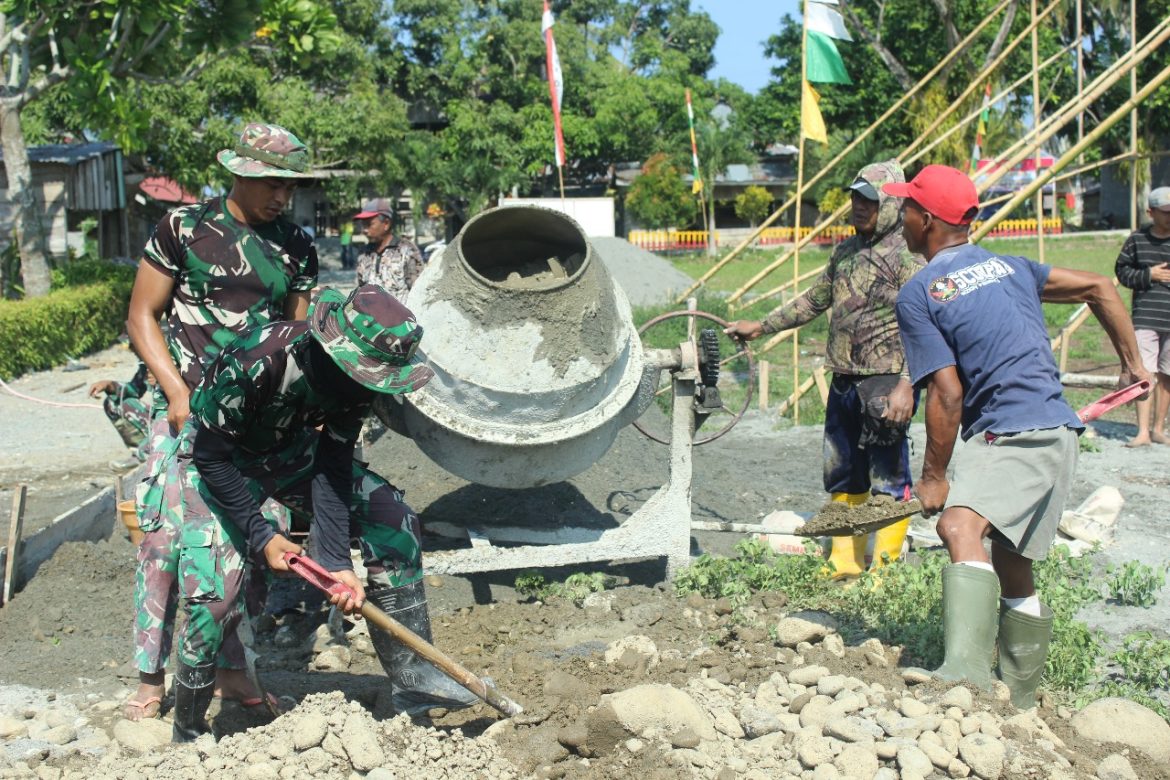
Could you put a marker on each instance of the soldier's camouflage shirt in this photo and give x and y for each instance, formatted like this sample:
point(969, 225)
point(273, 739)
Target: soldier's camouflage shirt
point(859, 288)
point(229, 277)
point(395, 268)
point(257, 396)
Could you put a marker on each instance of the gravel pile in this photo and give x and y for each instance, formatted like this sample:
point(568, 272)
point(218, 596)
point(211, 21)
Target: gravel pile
point(645, 277)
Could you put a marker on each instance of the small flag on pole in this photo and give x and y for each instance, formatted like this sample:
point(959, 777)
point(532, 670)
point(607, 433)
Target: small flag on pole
point(824, 64)
point(812, 124)
point(981, 130)
point(556, 83)
point(697, 184)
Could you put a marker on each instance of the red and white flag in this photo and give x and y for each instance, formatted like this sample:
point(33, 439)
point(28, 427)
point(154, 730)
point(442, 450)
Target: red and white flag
point(556, 83)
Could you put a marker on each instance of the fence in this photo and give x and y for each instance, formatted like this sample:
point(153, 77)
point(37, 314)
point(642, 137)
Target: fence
point(696, 240)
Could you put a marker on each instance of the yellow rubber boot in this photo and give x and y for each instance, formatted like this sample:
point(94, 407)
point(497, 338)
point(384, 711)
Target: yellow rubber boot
point(888, 541)
point(848, 555)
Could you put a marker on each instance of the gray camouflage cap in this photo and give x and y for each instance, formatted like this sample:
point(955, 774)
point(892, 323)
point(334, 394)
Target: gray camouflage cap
point(372, 337)
point(267, 150)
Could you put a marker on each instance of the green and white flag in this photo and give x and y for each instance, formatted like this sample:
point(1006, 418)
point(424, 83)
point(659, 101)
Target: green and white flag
point(823, 26)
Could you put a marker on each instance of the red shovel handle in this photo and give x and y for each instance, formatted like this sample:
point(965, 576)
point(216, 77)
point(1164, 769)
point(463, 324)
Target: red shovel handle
point(1113, 400)
point(312, 571)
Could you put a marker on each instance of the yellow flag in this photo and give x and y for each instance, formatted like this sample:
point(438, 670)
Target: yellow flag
point(812, 125)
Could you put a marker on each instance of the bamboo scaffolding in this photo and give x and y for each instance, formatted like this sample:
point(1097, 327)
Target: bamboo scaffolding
point(928, 78)
point(1044, 177)
point(1036, 115)
point(954, 106)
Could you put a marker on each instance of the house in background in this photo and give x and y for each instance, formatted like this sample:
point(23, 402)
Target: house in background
point(72, 182)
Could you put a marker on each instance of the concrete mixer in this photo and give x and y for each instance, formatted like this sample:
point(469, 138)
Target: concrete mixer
point(538, 365)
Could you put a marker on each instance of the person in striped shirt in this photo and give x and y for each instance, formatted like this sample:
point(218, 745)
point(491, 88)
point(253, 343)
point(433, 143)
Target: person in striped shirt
point(1144, 267)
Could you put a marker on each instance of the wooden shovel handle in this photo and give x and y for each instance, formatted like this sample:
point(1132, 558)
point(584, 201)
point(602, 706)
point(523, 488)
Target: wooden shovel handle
point(310, 570)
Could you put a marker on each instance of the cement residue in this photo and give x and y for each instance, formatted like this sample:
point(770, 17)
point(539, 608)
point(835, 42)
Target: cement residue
point(837, 518)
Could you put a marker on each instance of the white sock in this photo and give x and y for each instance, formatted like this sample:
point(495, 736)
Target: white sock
point(978, 565)
point(1029, 605)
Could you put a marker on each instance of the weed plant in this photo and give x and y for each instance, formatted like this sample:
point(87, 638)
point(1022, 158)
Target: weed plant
point(1136, 585)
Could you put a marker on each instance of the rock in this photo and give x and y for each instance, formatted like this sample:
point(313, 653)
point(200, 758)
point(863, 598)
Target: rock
point(333, 659)
point(959, 696)
point(885, 773)
point(757, 722)
point(728, 725)
point(308, 731)
point(685, 738)
point(573, 737)
point(853, 730)
point(912, 759)
point(826, 772)
point(636, 645)
point(12, 728)
point(857, 762)
point(897, 726)
point(880, 661)
point(804, 627)
point(1126, 723)
point(912, 708)
point(598, 603)
point(958, 769)
point(800, 701)
point(969, 725)
point(142, 735)
point(807, 675)
point(938, 755)
point(381, 773)
point(564, 685)
point(637, 709)
point(642, 615)
point(912, 675)
point(55, 718)
point(261, 771)
point(834, 645)
point(1115, 767)
point(831, 684)
point(985, 755)
point(361, 743)
point(813, 751)
point(58, 735)
point(635, 745)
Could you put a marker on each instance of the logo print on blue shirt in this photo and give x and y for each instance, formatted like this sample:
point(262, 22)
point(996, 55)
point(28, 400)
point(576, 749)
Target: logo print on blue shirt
point(969, 279)
point(943, 289)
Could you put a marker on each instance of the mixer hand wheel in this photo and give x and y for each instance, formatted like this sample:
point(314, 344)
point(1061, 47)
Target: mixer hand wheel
point(709, 399)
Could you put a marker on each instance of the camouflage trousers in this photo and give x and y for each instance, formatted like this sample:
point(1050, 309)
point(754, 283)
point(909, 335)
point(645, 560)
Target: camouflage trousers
point(160, 516)
point(213, 557)
point(131, 418)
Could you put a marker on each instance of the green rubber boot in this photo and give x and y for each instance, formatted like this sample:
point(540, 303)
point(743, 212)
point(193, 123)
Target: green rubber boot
point(1023, 651)
point(970, 596)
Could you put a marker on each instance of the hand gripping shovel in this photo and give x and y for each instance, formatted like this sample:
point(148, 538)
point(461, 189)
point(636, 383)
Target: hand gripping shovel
point(319, 578)
point(880, 511)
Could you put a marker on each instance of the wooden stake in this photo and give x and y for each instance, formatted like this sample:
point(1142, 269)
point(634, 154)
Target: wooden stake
point(763, 369)
point(15, 524)
point(804, 388)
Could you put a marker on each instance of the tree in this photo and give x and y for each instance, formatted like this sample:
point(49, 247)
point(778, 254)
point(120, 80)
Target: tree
point(89, 52)
point(722, 141)
point(753, 204)
point(659, 198)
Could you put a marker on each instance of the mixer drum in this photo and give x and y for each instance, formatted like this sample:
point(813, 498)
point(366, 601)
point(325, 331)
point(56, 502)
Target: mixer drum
point(537, 361)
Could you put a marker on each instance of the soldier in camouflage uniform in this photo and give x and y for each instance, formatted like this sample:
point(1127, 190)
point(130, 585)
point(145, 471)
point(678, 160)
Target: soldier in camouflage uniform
point(278, 415)
point(211, 271)
point(390, 261)
point(127, 406)
point(871, 401)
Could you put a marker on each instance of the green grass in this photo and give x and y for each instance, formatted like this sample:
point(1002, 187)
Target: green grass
point(1090, 350)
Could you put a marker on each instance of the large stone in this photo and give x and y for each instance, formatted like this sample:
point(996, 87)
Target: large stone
point(804, 627)
point(857, 762)
point(756, 722)
point(726, 723)
point(853, 730)
point(635, 710)
point(637, 646)
point(58, 735)
point(984, 754)
point(807, 675)
point(959, 696)
point(813, 751)
point(13, 728)
point(308, 731)
point(1126, 723)
point(1115, 767)
point(142, 735)
point(361, 743)
point(912, 760)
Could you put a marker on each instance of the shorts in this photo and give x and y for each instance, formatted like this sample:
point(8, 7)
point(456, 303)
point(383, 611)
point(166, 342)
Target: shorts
point(1155, 350)
point(1019, 482)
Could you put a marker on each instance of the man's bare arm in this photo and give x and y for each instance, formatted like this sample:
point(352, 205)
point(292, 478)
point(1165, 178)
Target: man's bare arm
point(944, 413)
point(148, 303)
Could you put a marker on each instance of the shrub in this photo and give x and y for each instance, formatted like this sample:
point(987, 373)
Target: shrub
point(39, 333)
point(753, 204)
point(659, 198)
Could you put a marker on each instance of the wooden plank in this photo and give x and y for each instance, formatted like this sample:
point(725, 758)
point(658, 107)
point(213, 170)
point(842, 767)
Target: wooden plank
point(822, 384)
point(15, 524)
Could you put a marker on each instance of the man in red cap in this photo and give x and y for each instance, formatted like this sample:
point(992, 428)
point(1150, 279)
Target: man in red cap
point(974, 333)
point(389, 260)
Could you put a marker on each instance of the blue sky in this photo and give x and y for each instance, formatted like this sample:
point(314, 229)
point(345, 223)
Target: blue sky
point(745, 25)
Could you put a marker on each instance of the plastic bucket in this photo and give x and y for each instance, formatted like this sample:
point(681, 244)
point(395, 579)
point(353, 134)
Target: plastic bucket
point(129, 517)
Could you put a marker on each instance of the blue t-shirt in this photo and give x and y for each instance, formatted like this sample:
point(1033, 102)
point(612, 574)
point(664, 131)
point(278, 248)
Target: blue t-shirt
point(981, 313)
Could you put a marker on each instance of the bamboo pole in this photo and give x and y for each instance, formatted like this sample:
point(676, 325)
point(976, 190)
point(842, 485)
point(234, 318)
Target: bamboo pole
point(1036, 113)
point(1071, 154)
point(790, 283)
point(1133, 122)
point(1073, 172)
point(795, 397)
point(775, 340)
point(763, 372)
point(799, 196)
point(928, 78)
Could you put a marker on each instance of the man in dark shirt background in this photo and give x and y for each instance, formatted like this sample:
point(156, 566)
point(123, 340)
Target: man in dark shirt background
point(1144, 267)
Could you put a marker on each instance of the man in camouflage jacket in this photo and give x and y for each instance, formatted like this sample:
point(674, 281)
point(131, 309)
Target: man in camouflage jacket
point(278, 415)
point(211, 271)
point(127, 406)
point(871, 400)
point(389, 260)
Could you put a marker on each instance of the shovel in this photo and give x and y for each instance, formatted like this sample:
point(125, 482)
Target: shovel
point(837, 521)
point(317, 576)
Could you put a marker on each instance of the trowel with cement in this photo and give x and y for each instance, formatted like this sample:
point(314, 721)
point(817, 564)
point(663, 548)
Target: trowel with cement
point(841, 519)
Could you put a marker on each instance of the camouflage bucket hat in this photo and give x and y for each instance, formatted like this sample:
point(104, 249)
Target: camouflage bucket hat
point(372, 337)
point(267, 150)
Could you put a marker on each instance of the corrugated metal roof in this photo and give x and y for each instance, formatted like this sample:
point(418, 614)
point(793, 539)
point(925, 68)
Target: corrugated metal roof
point(67, 154)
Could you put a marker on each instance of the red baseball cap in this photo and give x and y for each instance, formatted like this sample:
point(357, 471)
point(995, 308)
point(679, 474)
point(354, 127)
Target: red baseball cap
point(376, 207)
point(945, 192)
